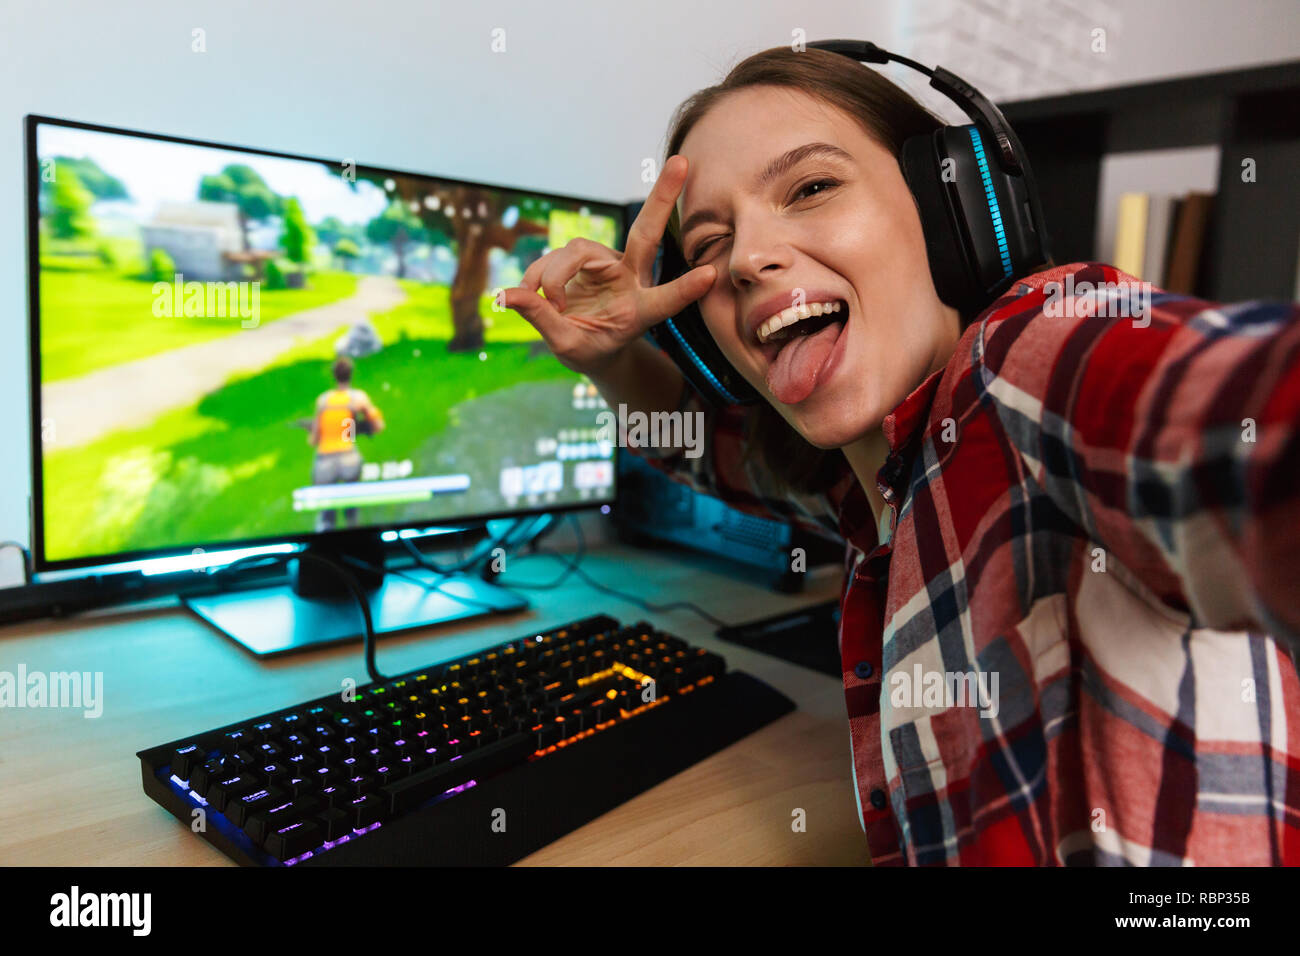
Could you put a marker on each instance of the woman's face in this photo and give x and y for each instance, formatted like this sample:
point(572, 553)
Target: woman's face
point(807, 208)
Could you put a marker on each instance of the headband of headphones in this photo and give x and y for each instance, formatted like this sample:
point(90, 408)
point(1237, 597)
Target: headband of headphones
point(979, 210)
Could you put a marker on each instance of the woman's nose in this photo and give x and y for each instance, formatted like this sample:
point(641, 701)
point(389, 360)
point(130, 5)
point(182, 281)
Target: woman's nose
point(756, 254)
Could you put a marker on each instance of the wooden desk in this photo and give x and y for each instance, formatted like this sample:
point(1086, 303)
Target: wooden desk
point(70, 791)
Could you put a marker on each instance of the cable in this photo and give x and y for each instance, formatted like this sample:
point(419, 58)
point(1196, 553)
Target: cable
point(572, 568)
point(480, 552)
point(427, 585)
point(571, 564)
point(368, 635)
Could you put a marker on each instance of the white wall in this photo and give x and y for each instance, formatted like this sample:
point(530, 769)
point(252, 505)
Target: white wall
point(1017, 49)
point(581, 96)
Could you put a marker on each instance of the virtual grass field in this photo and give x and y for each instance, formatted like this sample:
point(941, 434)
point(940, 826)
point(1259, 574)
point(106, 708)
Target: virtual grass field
point(224, 467)
point(95, 315)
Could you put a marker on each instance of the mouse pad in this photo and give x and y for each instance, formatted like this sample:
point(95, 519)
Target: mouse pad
point(806, 637)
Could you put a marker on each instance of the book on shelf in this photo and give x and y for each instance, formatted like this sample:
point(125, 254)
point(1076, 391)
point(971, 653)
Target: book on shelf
point(1160, 226)
point(1161, 237)
point(1188, 243)
point(1130, 233)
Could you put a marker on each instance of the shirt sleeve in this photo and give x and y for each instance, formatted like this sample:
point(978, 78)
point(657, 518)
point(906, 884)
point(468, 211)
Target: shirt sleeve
point(719, 463)
point(1170, 438)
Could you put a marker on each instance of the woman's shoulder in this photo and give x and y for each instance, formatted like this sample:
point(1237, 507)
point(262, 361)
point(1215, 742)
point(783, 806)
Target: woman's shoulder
point(1012, 354)
point(1075, 290)
point(1086, 338)
point(1057, 310)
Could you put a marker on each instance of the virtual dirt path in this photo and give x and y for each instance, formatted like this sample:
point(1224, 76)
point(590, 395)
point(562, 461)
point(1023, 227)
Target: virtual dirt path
point(135, 393)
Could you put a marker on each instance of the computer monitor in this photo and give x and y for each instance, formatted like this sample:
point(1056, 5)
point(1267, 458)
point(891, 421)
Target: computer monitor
point(233, 346)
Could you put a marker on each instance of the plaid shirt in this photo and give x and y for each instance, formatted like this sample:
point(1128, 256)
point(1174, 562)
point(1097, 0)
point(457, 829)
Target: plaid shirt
point(1095, 521)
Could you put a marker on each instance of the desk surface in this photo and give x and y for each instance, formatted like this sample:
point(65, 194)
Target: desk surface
point(70, 791)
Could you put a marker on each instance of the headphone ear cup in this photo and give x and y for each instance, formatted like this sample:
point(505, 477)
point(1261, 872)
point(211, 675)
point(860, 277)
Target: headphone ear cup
point(952, 266)
point(979, 230)
point(687, 341)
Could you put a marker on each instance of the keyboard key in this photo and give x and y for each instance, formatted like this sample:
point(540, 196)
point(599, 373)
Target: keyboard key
point(360, 784)
point(239, 809)
point(300, 786)
point(413, 790)
point(301, 764)
point(228, 788)
point(185, 759)
point(293, 840)
point(201, 777)
point(335, 796)
point(327, 777)
point(334, 822)
point(367, 810)
point(414, 763)
point(262, 822)
point(269, 751)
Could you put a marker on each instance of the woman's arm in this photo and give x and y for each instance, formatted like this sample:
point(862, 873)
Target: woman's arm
point(640, 377)
point(1172, 439)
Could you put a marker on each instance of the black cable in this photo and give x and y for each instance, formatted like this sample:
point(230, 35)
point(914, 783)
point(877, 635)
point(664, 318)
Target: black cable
point(653, 608)
point(571, 564)
point(573, 568)
point(427, 585)
point(463, 563)
point(368, 635)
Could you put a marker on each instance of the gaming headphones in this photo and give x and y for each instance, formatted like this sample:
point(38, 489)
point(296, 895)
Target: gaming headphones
point(980, 215)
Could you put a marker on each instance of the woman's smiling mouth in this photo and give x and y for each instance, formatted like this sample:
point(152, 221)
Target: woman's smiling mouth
point(801, 346)
point(796, 320)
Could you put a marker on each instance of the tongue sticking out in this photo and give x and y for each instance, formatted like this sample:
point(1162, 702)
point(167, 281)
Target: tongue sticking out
point(793, 373)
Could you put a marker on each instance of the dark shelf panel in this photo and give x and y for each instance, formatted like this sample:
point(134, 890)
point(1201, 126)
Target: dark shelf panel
point(1277, 77)
point(1254, 232)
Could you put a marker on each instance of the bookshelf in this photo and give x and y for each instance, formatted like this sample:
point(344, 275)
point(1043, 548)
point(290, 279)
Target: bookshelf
point(1253, 235)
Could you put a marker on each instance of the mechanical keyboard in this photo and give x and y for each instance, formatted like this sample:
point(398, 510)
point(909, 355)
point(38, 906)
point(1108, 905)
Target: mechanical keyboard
point(476, 761)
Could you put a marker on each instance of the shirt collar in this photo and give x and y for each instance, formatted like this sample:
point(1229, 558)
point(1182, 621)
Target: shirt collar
point(902, 428)
point(906, 422)
point(902, 424)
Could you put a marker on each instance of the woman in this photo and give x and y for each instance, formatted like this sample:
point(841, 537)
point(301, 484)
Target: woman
point(1070, 609)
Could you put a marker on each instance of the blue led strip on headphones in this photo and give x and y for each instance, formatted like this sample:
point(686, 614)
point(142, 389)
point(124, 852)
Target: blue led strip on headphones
point(998, 231)
point(708, 372)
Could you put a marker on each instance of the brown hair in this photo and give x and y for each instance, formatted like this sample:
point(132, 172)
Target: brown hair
point(343, 370)
point(888, 115)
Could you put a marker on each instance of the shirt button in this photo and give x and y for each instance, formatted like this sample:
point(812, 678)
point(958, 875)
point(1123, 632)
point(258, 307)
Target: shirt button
point(878, 799)
point(864, 670)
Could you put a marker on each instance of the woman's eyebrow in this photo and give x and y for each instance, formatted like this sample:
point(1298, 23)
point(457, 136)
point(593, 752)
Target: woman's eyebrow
point(788, 160)
point(776, 168)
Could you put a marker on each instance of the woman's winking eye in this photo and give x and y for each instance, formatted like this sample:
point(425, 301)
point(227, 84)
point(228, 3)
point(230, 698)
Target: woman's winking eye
point(694, 260)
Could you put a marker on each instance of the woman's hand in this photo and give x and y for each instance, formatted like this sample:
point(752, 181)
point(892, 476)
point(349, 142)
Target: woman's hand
point(597, 300)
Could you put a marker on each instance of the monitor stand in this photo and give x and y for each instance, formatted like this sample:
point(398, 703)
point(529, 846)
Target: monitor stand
point(316, 608)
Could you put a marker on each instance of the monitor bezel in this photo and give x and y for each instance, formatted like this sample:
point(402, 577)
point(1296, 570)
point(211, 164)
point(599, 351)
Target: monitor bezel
point(31, 122)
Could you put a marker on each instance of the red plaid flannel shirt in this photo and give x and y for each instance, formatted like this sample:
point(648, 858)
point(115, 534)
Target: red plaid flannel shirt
point(1095, 521)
